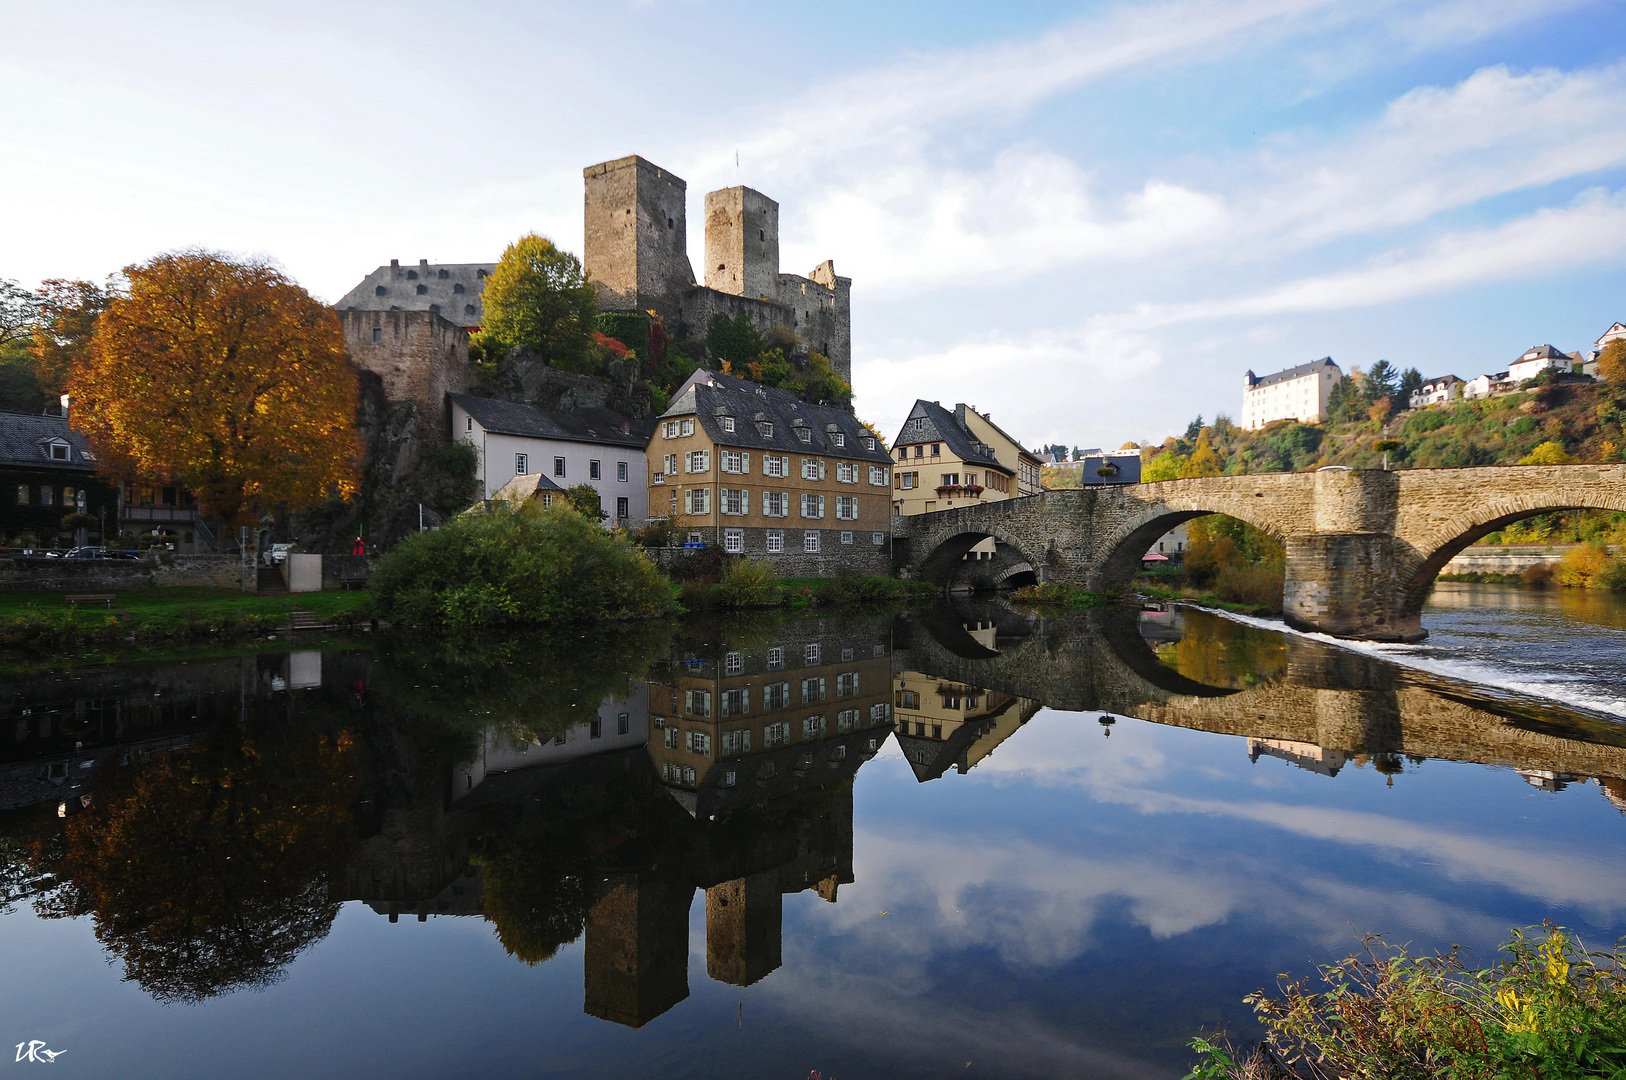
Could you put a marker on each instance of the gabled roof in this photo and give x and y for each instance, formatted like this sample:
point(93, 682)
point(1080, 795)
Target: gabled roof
point(1447, 379)
point(583, 426)
point(439, 283)
point(1541, 352)
point(525, 486)
point(937, 424)
point(959, 414)
point(24, 439)
point(711, 398)
point(1618, 330)
point(1314, 367)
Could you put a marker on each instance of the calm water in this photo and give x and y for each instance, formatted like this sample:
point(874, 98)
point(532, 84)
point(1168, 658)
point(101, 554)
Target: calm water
point(968, 843)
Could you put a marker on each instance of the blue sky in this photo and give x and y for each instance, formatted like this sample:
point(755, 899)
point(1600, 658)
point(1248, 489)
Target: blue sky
point(1086, 219)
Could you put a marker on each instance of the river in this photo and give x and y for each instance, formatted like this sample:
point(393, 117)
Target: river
point(970, 842)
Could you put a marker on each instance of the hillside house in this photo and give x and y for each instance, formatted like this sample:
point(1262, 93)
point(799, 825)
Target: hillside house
point(1296, 393)
point(1436, 391)
point(1536, 360)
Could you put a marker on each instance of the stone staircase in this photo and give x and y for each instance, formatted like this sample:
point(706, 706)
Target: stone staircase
point(268, 582)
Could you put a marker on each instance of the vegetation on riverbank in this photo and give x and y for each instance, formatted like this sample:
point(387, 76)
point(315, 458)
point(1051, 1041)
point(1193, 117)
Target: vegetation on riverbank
point(752, 583)
point(40, 622)
point(1057, 593)
point(1548, 1009)
point(515, 565)
point(1584, 566)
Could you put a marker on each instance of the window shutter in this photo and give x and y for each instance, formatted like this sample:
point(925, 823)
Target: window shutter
point(821, 498)
point(688, 502)
point(821, 472)
point(745, 463)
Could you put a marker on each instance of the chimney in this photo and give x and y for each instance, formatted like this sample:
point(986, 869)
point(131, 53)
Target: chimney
point(67, 400)
point(626, 429)
point(423, 262)
point(395, 265)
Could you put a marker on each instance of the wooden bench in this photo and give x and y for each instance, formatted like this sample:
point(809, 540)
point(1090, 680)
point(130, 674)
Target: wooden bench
point(349, 584)
point(107, 600)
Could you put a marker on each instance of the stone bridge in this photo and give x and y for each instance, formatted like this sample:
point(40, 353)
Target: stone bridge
point(1363, 545)
point(1324, 697)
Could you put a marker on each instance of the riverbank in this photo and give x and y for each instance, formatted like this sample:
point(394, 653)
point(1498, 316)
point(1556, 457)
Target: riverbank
point(42, 621)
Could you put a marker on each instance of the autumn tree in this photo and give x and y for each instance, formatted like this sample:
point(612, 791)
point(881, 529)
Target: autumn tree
point(19, 311)
point(224, 376)
point(66, 317)
point(1612, 362)
point(539, 298)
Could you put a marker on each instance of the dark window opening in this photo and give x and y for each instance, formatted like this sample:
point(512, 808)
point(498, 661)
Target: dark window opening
point(480, 274)
point(670, 224)
point(468, 309)
point(458, 287)
point(422, 289)
point(380, 291)
point(412, 275)
point(761, 235)
point(378, 334)
point(443, 275)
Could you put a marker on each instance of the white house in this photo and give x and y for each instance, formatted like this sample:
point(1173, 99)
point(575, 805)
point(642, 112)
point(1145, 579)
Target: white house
point(1616, 332)
point(622, 723)
point(1172, 543)
point(1298, 393)
point(1535, 361)
point(1436, 392)
point(1483, 386)
point(593, 446)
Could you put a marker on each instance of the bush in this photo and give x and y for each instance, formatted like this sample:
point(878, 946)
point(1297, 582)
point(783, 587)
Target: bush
point(524, 565)
point(749, 583)
point(1590, 566)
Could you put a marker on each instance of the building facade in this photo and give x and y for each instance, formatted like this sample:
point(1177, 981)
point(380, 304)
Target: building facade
point(1009, 453)
point(943, 724)
point(758, 472)
point(47, 473)
point(941, 462)
point(636, 253)
point(590, 446)
point(1536, 360)
point(1437, 391)
point(1296, 393)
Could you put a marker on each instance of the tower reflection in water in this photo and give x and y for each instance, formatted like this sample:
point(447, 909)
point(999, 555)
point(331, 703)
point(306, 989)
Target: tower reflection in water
point(589, 794)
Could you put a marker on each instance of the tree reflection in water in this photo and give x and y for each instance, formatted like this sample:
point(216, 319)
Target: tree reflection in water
point(1222, 652)
point(210, 868)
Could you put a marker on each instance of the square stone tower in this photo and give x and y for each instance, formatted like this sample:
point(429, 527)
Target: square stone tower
point(742, 243)
point(636, 248)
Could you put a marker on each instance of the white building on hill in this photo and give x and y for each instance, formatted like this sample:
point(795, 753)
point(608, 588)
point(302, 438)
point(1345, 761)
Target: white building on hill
point(1299, 393)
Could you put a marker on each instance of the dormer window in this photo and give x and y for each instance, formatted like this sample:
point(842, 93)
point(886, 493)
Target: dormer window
point(728, 423)
point(412, 275)
point(458, 287)
point(422, 288)
point(380, 291)
point(443, 275)
point(869, 443)
point(765, 429)
point(804, 434)
point(57, 450)
point(839, 439)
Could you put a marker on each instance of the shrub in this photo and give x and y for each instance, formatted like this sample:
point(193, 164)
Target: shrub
point(524, 565)
point(1551, 452)
point(1590, 566)
point(749, 583)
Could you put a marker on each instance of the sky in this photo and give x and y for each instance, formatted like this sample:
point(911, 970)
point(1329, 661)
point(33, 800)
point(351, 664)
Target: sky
point(1088, 220)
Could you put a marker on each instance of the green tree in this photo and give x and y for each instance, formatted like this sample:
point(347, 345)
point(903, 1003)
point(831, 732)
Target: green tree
point(1165, 466)
point(1348, 401)
point(538, 298)
point(1411, 381)
point(733, 340)
point(584, 497)
point(1193, 429)
point(1381, 382)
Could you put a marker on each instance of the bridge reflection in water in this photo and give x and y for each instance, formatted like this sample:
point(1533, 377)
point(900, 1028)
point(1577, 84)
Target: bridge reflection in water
point(721, 760)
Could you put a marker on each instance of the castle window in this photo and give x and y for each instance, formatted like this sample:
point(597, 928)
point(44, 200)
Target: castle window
point(455, 288)
point(422, 288)
point(468, 309)
point(378, 334)
point(380, 291)
point(443, 275)
point(761, 235)
point(412, 275)
point(670, 224)
point(435, 308)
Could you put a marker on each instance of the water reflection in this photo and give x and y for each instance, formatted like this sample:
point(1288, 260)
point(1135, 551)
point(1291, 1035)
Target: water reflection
point(211, 817)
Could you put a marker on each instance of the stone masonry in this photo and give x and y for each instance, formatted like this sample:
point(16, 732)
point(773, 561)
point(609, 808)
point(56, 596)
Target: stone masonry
point(1363, 546)
point(420, 356)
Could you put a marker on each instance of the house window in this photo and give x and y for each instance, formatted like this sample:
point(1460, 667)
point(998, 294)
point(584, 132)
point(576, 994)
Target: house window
point(686, 427)
point(810, 541)
point(877, 713)
point(776, 657)
point(621, 471)
point(468, 423)
point(697, 501)
point(811, 653)
point(728, 424)
point(736, 702)
point(878, 539)
point(776, 734)
point(776, 541)
point(22, 494)
point(696, 539)
point(907, 480)
point(558, 466)
point(951, 479)
point(846, 538)
point(623, 721)
point(735, 501)
point(813, 689)
point(812, 506)
point(847, 684)
point(593, 470)
point(697, 702)
point(734, 541)
point(877, 476)
point(736, 742)
point(671, 465)
point(621, 508)
point(698, 461)
point(733, 461)
point(775, 504)
point(920, 451)
point(846, 719)
point(919, 424)
point(733, 663)
point(595, 729)
point(47, 496)
point(697, 742)
point(838, 439)
point(937, 448)
point(765, 429)
point(812, 469)
point(847, 508)
point(776, 695)
point(519, 464)
point(378, 334)
point(804, 434)
point(812, 726)
point(59, 451)
point(775, 465)
point(672, 738)
point(846, 472)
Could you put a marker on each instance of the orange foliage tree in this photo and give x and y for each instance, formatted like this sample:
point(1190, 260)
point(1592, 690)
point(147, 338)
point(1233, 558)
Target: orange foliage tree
point(224, 376)
point(67, 314)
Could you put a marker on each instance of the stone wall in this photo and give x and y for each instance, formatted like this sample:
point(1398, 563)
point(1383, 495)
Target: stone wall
point(420, 356)
point(863, 556)
point(742, 243)
point(111, 575)
point(636, 246)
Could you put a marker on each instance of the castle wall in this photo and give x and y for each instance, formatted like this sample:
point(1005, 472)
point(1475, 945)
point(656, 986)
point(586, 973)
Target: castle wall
point(636, 249)
point(823, 313)
point(742, 243)
point(419, 355)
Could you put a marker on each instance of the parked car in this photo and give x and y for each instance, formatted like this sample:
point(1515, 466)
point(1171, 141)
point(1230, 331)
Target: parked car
point(97, 553)
point(279, 552)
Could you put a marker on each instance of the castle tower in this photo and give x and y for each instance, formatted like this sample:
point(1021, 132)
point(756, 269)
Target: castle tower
point(742, 243)
point(636, 963)
point(743, 928)
point(637, 247)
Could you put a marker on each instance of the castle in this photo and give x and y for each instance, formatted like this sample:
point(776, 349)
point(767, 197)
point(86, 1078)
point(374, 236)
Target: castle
point(410, 325)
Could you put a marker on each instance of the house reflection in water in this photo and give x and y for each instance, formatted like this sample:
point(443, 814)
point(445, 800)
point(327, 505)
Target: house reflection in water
point(1308, 756)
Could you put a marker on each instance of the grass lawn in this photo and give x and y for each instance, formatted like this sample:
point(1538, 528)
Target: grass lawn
point(180, 604)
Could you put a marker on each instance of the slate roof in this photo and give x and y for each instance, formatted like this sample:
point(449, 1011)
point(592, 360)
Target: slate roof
point(709, 397)
point(940, 425)
point(525, 486)
point(1542, 352)
point(401, 284)
point(1314, 367)
point(959, 415)
point(600, 426)
point(23, 438)
point(1447, 379)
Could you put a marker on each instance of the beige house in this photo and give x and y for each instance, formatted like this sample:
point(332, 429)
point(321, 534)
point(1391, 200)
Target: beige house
point(759, 472)
point(946, 459)
point(943, 724)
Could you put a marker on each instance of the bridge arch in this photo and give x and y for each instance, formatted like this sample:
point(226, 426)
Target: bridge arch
point(1437, 545)
point(1150, 517)
point(949, 548)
